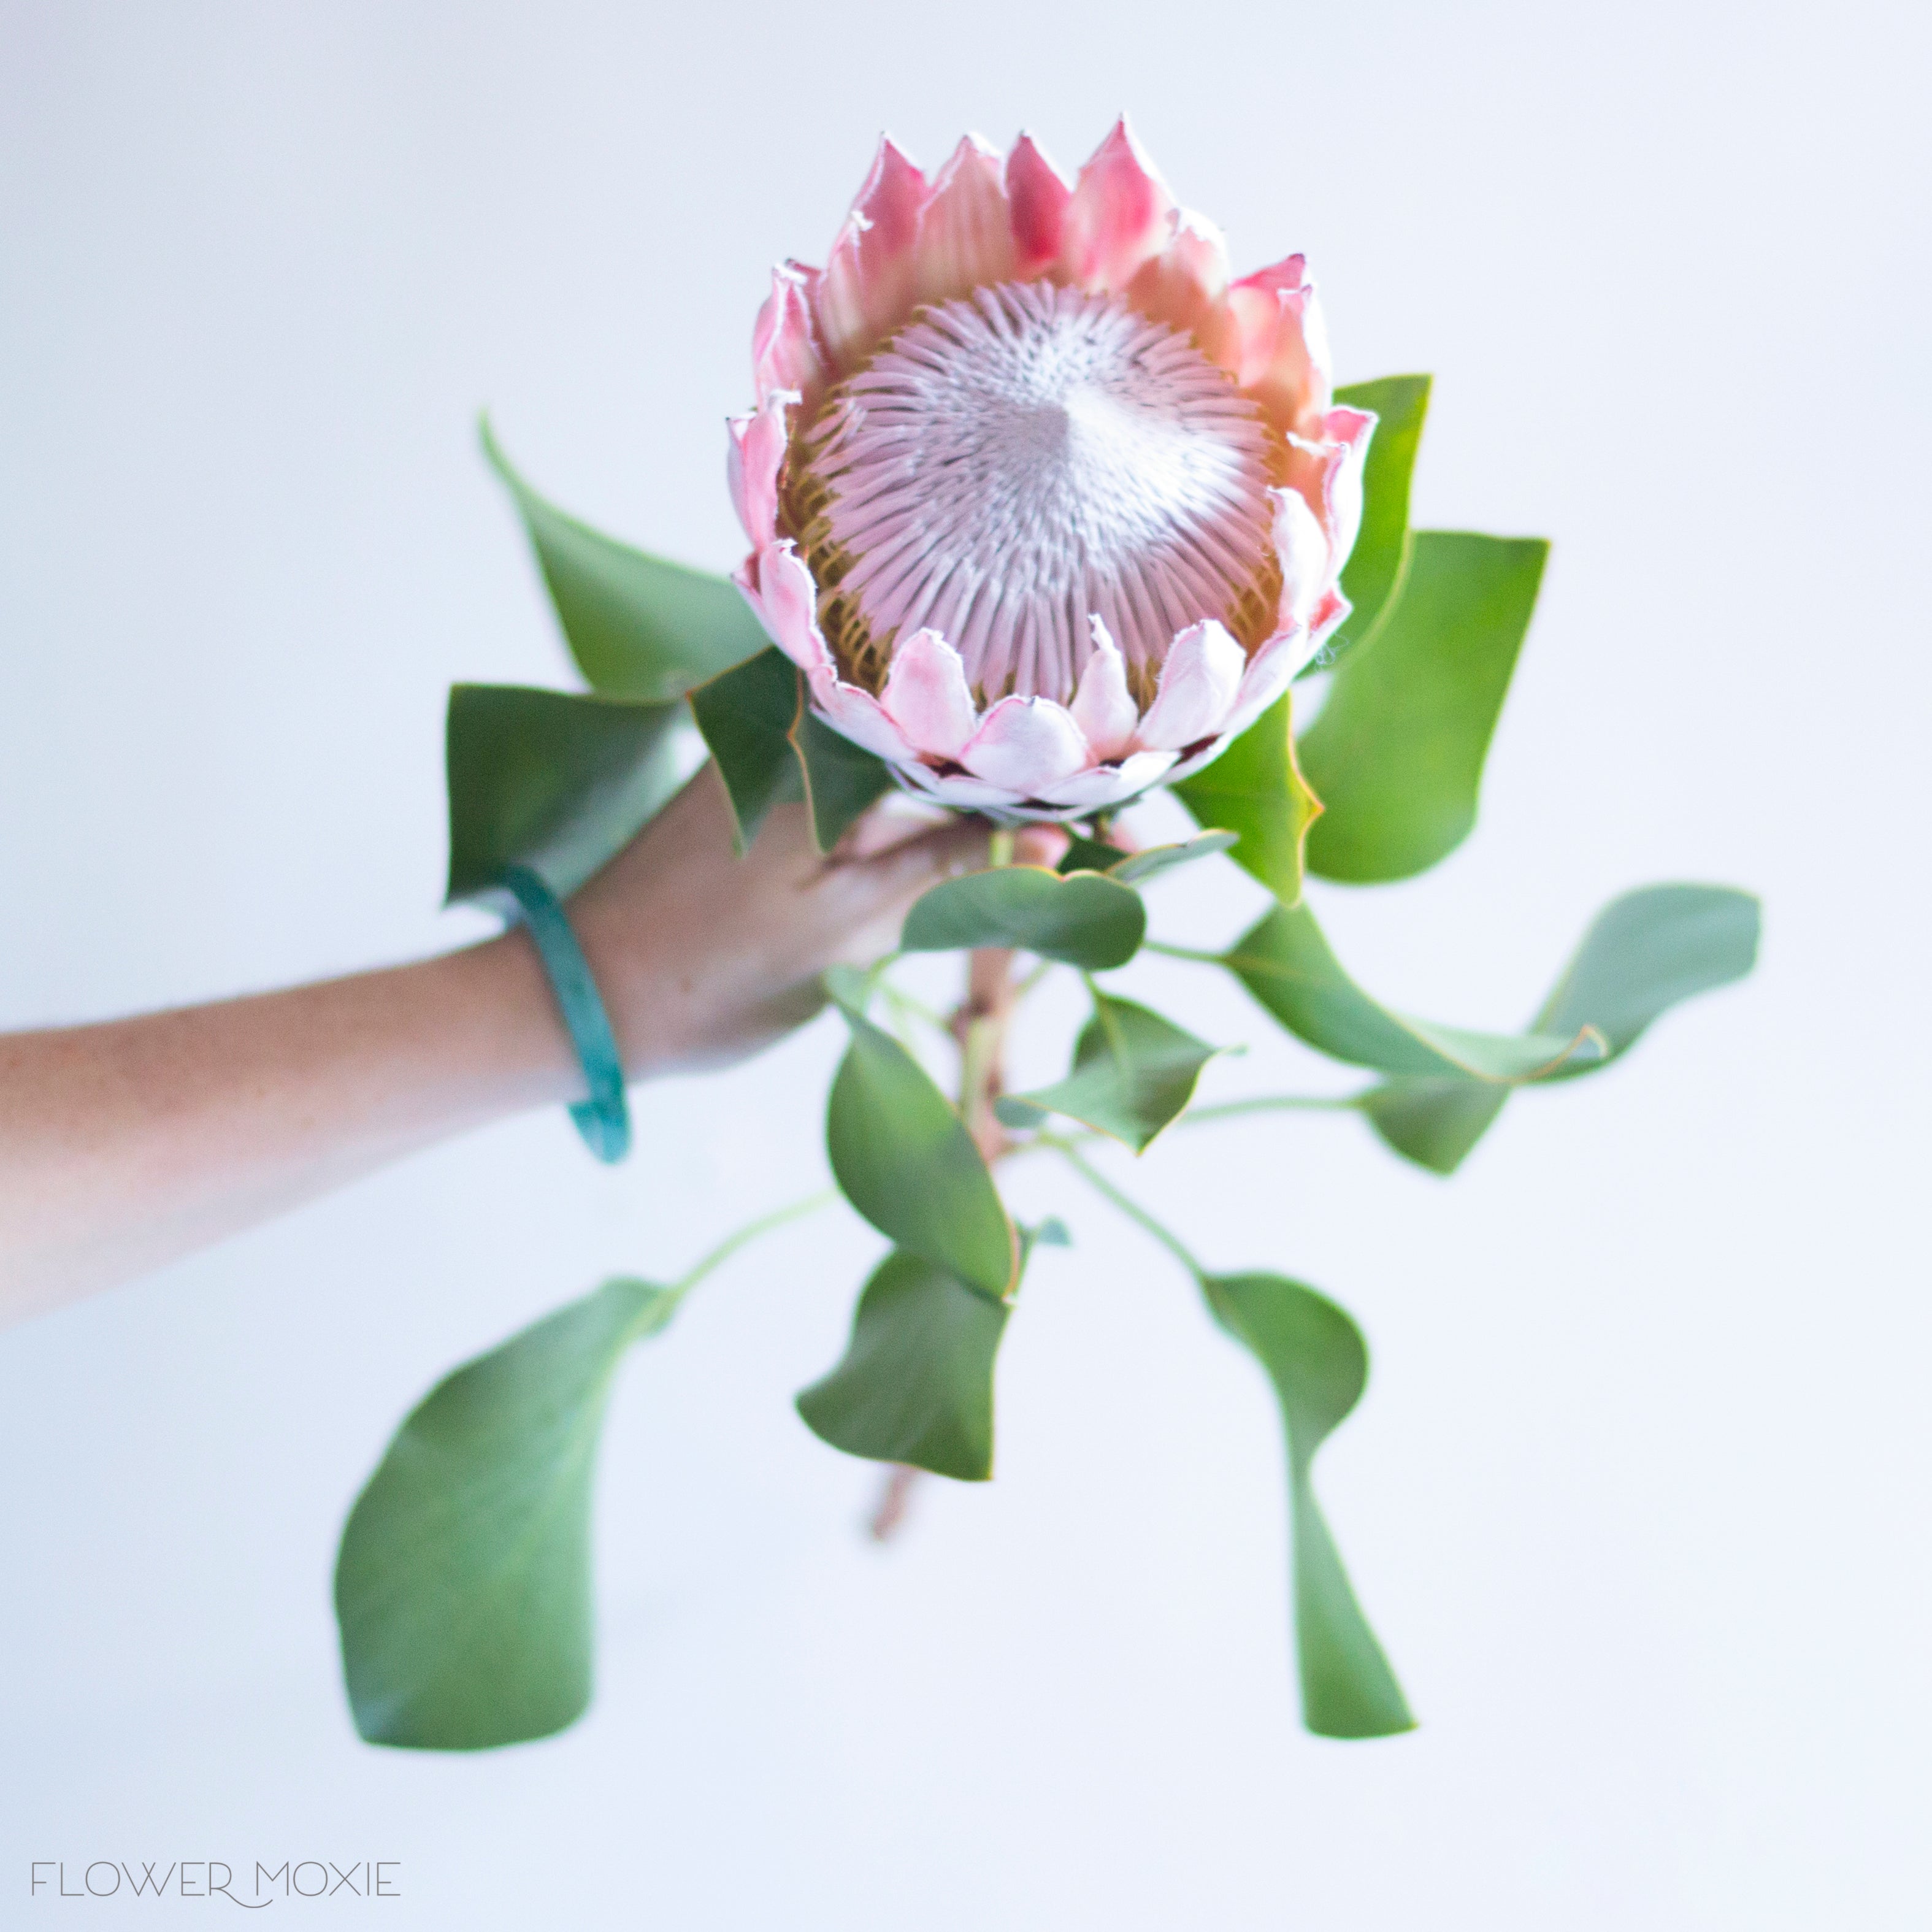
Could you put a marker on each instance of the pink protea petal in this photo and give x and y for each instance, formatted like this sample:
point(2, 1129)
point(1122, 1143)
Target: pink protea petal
point(954, 788)
point(1027, 744)
point(1101, 786)
point(965, 233)
point(1186, 285)
point(1039, 199)
point(779, 589)
point(1283, 345)
point(1198, 686)
point(784, 354)
point(1305, 555)
point(1326, 470)
point(859, 715)
point(925, 695)
point(1328, 619)
point(757, 455)
point(1121, 213)
point(1269, 673)
point(867, 288)
point(1102, 706)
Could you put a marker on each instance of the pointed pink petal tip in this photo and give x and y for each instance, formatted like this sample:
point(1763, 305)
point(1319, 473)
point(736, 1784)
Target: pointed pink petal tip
point(926, 696)
point(1198, 684)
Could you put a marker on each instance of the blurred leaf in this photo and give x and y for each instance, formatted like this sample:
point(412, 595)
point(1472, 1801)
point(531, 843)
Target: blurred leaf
point(1135, 868)
point(1084, 919)
point(746, 715)
point(462, 1587)
point(1643, 953)
point(1255, 789)
point(841, 778)
point(1133, 1073)
point(639, 627)
point(1372, 579)
point(1050, 1233)
point(553, 780)
point(1316, 1357)
point(916, 1384)
point(904, 1159)
point(1284, 961)
point(1397, 752)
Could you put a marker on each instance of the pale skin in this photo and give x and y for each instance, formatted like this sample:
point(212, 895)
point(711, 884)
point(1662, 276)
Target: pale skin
point(127, 1145)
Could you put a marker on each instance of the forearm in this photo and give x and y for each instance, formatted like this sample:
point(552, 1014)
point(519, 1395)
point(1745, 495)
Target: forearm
point(125, 1145)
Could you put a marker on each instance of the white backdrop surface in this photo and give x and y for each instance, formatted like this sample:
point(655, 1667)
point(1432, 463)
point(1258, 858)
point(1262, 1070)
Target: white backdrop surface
point(1638, 1497)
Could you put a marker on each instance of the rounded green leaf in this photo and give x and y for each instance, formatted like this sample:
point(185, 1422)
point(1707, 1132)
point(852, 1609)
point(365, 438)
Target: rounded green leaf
point(1085, 920)
point(916, 1384)
point(463, 1585)
point(638, 626)
point(554, 780)
point(904, 1159)
point(1397, 753)
point(1135, 868)
point(1316, 1357)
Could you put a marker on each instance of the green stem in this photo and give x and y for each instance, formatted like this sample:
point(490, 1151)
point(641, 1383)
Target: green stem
point(750, 1232)
point(1134, 1211)
point(1276, 1103)
point(1183, 953)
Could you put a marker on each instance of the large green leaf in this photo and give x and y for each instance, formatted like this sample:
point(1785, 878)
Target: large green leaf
point(746, 715)
point(841, 779)
point(638, 626)
point(1643, 953)
point(904, 1159)
point(462, 1585)
point(1133, 1073)
point(916, 1384)
point(1372, 577)
point(1084, 919)
point(553, 780)
point(1255, 789)
point(1286, 963)
point(1135, 868)
point(1316, 1357)
point(1397, 752)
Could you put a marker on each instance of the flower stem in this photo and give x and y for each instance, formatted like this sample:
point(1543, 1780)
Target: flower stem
point(1183, 953)
point(750, 1232)
point(1134, 1211)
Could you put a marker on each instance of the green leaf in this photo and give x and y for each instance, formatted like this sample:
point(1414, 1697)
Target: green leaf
point(1372, 577)
point(1642, 954)
point(746, 715)
point(841, 779)
point(1133, 1073)
point(916, 1384)
point(904, 1159)
point(1084, 919)
point(553, 780)
point(1286, 962)
point(463, 1586)
point(1397, 752)
point(1135, 868)
point(1255, 789)
point(1315, 1356)
point(639, 627)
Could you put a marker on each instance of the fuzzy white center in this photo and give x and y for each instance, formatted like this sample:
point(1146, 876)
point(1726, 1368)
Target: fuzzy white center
point(1011, 463)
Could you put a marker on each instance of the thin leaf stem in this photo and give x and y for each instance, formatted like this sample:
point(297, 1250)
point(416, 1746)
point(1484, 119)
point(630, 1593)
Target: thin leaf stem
point(1193, 953)
point(1000, 847)
point(750, 1232)
point(1134, 1211)
point(1276, 1103)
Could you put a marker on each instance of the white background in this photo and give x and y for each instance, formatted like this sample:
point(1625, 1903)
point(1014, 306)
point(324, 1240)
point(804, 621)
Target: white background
point(1637, 1498)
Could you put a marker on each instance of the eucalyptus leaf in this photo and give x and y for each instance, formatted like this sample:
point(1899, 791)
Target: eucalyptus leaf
point(916, 1384)
point(1255, 789)
point(462, 1587)
point(1397, 752)
point(1133, 1073)
point(1642, 954)
point(1372, 579)
point(1135, 868)
point(1287, 965)
point(1316, 1357)
point(638, 626)
point(554, 780)
point(746, 715)
point(903, 1158)
point(1085, 919)
point(841, 779)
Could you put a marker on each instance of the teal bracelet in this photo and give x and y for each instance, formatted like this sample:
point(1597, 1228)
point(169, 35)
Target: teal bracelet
point(604, 1119)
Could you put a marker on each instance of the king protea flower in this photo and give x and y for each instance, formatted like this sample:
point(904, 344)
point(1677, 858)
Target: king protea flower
point(1045, 507)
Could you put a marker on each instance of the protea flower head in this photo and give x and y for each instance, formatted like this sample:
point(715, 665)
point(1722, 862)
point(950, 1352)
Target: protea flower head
point(1047, 508)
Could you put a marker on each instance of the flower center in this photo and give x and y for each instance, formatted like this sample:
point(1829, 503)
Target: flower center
point(1008, 463)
